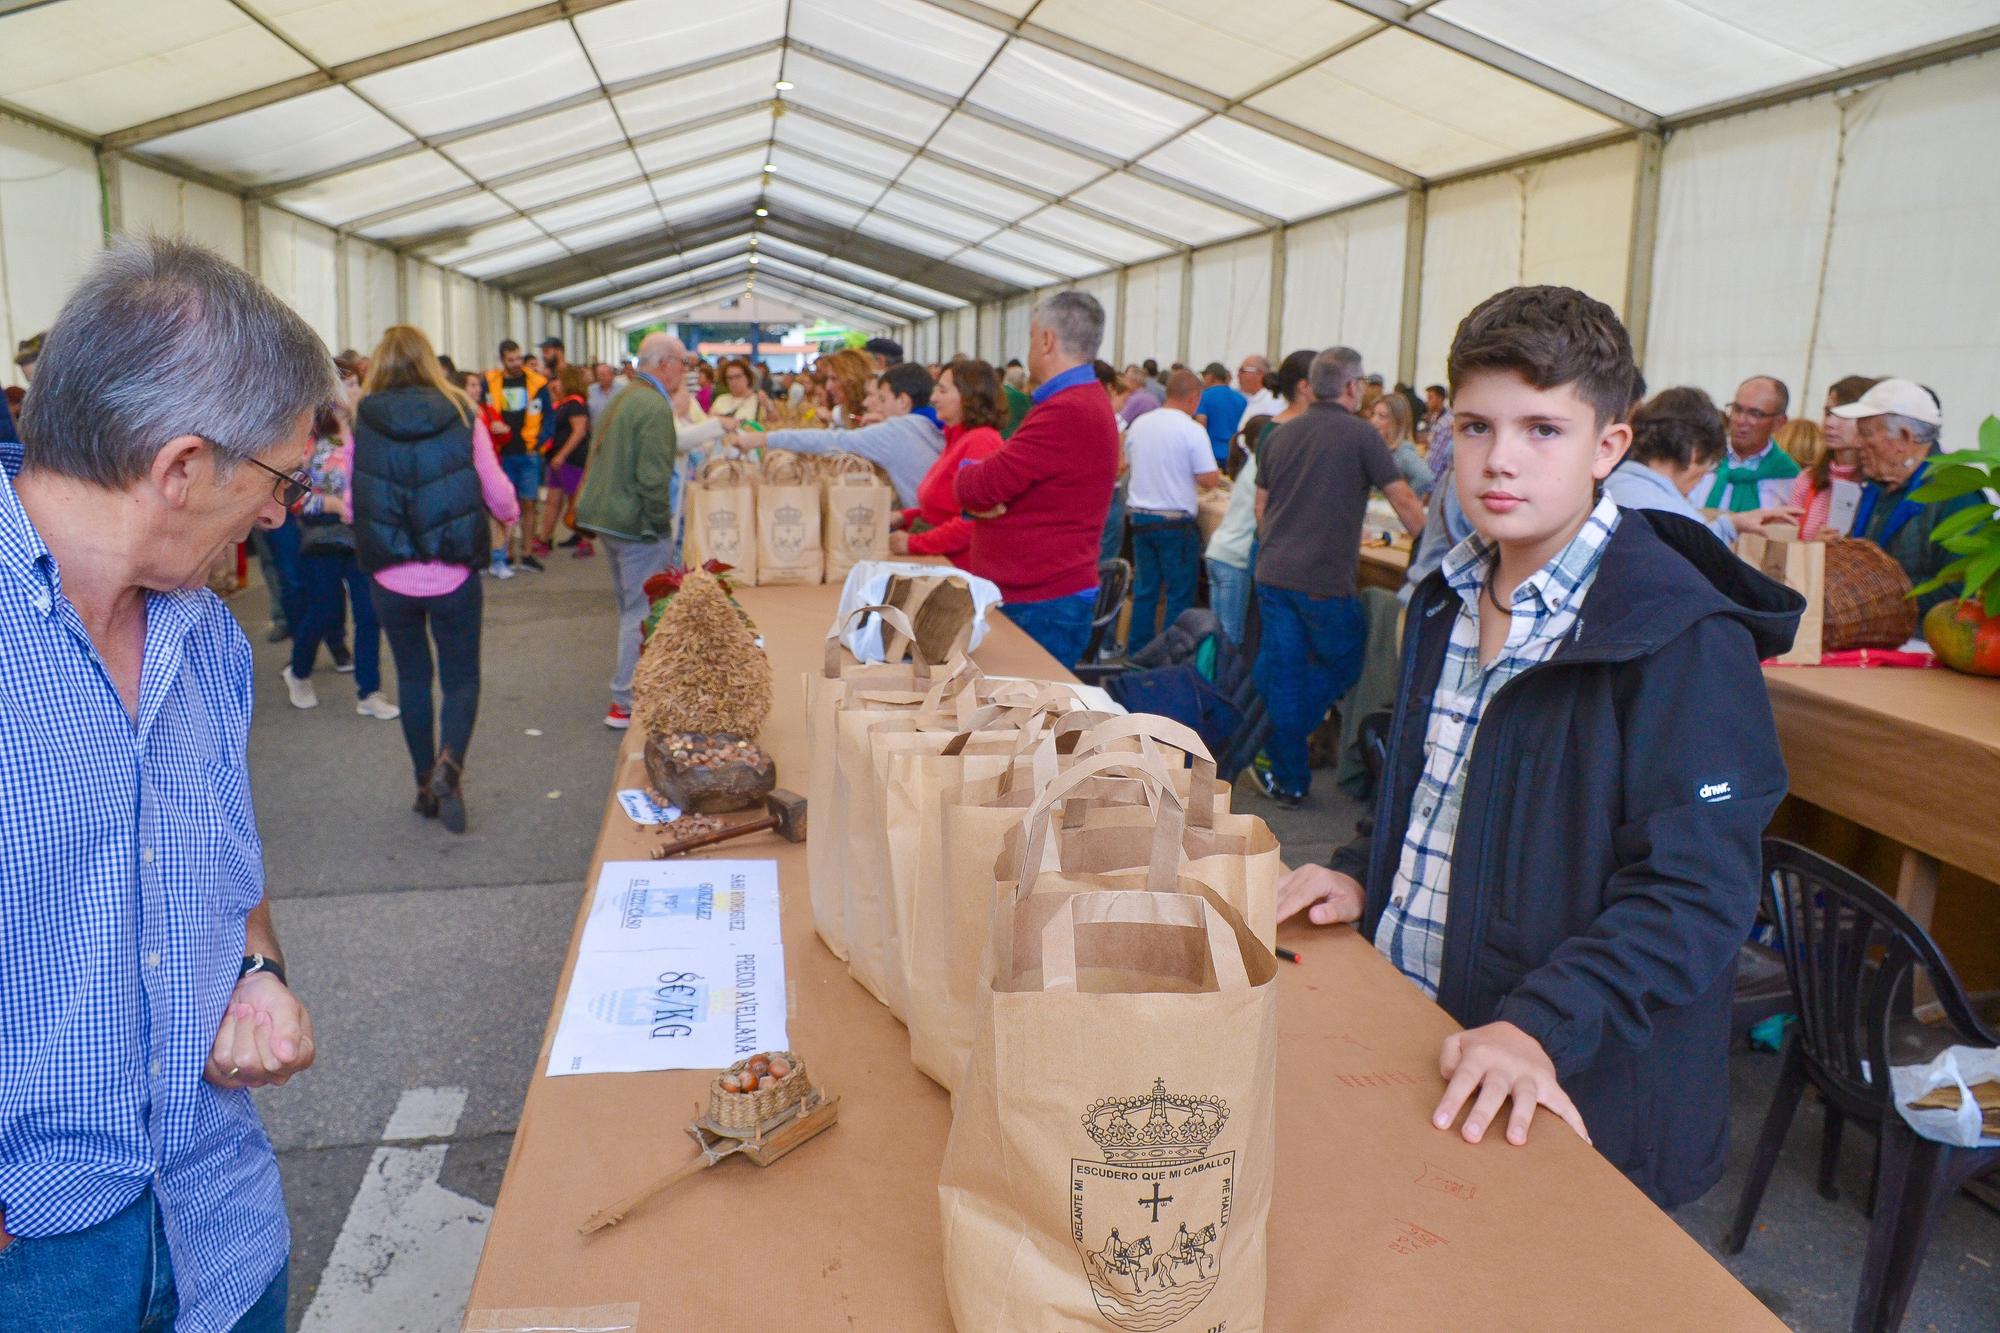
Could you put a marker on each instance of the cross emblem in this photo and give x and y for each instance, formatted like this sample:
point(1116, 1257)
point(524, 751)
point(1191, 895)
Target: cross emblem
point(1156, 1202)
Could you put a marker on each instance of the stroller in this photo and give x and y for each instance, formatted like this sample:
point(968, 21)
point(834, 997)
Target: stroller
point(1193, 674)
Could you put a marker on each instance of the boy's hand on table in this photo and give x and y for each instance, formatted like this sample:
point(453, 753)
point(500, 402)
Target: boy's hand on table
point(1333, 897)
point(1500, 1061)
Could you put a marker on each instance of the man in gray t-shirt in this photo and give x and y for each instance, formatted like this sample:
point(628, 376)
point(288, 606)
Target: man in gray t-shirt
point(1313, 478)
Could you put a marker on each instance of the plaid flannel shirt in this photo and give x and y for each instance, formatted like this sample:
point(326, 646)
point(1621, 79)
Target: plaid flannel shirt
point(1544, 607)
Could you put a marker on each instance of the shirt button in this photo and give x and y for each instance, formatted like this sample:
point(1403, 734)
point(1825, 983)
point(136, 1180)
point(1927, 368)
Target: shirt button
point(1427, 812)
point(146, 855)
point(1397, 900)
point(153, 958)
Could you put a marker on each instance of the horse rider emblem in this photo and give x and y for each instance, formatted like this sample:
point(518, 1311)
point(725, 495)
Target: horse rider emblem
point(1148, 1215)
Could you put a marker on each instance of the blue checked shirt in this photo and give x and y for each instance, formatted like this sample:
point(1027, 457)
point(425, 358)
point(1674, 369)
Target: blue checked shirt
point(128, 859)
point(1545, 606)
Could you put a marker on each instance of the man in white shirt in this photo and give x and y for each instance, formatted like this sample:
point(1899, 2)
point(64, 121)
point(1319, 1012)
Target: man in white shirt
point(1254, 378)
point(1171, 461)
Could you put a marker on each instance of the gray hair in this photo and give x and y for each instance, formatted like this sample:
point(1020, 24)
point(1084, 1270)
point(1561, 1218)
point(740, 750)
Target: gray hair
point(1075, 318)
point(1923, 432)
point(1332, 370)
point(165, 338)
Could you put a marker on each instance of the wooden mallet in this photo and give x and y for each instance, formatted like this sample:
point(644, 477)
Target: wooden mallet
point(787, 815)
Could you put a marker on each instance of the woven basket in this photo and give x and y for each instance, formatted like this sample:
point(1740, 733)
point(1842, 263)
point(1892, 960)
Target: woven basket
point(1867, 598)
point(744, 1111)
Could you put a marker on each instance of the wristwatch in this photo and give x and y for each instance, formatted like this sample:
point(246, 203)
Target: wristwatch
point(260, 962)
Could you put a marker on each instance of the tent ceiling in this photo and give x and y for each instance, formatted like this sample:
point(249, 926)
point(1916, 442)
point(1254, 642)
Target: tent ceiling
point(926, 152)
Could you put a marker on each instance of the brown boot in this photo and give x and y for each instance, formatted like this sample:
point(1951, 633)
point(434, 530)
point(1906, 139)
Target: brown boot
point(425, 804)
point(444, 789)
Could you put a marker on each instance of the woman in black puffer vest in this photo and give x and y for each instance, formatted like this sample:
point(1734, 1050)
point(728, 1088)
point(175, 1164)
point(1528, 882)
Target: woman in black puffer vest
point(425, 477)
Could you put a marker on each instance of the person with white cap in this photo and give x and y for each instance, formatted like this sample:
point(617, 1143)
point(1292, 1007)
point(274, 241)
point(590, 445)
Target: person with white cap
point(1898, 421)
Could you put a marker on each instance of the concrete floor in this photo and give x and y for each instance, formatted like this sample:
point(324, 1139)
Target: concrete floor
point(430, 962)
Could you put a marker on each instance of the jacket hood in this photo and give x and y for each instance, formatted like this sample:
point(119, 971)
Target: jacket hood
point(408, 414)
point(1661, 573)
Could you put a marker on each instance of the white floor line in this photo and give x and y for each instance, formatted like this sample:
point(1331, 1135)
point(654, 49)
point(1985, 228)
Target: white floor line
point(406, 1253)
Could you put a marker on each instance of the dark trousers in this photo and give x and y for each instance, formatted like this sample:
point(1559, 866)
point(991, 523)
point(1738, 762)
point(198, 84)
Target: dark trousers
point(412, 625)
point(1061, 625)
point(1165, 553)
point(1309, 656)
point(324, 577)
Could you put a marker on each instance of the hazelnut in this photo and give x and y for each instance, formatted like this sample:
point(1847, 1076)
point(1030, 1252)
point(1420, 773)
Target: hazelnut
point(759, 1065)
point(748, 1080)
point(730, 1083)
point(780, 1068)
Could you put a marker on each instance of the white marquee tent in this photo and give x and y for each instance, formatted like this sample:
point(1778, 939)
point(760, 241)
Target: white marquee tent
point(1806, 188)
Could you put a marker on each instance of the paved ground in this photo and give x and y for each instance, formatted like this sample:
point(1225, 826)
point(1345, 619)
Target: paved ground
point(430, 964)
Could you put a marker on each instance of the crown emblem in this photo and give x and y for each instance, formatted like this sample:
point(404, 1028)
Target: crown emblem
point(1158, 1127)
point(789, 514)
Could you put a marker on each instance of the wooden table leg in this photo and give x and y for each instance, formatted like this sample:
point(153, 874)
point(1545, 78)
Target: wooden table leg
point(1916, 885)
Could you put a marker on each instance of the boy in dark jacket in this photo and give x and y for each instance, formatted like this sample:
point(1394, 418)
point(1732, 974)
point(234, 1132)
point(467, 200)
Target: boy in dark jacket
point(1582, 762)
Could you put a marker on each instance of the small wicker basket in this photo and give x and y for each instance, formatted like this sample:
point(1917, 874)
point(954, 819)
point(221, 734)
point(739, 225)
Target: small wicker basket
point(743, 1112)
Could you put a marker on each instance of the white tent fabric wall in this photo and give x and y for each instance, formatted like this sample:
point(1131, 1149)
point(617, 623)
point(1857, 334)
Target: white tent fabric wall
point(1014, 330)
point(1344, 282)
point(153, 202)
point(988, 334)
point(423, 297)
point(1744, 206)
point(1231, 307)
point(51, 223)
point(463, 335)
point(1912, 268)
point(371, 294)
point(1472, 248)
point(1151, 318)
point(1104, 286)
point(296, 261)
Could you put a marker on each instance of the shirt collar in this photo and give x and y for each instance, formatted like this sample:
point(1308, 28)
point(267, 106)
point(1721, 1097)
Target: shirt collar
point(928, 413)
point(1556, 584)
point(23, 554)
point(1069, 379)
point(1751, 460)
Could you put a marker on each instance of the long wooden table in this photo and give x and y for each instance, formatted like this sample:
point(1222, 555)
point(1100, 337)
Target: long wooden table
point(1379, 1221)
point(1912, 754)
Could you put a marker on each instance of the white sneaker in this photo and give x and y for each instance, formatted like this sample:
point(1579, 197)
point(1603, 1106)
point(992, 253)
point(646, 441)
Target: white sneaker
point(502, 570)
point(302, 691)
point(374, 705)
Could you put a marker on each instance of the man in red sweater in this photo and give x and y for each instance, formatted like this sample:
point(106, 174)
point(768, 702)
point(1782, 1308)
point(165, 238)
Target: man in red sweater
point(1039, 502)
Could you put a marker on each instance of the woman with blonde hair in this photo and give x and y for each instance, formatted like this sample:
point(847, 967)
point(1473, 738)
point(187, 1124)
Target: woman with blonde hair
point(848, 375)
point(1390, 416)
point(425, 477)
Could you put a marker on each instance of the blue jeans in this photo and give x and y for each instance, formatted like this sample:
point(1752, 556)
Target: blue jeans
point(525, 472)
point(278, 553)
point(412, 624)
point(324, 576)
point(1060, 624)
point(1167, 553)
point(115, 1277)
point(1310, 654)
point(1229, 597)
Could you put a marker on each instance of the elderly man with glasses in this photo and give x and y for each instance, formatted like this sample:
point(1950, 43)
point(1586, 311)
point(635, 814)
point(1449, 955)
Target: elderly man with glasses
point(628, 498)
point(143, 991)
point(1254, 375)
point(1754, 473)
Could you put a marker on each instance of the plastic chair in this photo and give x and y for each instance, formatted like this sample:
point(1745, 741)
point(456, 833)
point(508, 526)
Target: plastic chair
point(1114, 584)
point(1853, 957)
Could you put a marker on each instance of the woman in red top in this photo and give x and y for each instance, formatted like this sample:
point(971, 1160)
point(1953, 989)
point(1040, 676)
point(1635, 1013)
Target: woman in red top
point(967, 402)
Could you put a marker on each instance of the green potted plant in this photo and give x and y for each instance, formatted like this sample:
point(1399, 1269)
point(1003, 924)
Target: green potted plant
point(1965, 632)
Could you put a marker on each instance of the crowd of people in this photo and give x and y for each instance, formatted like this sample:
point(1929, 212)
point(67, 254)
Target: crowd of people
point(1541, 479)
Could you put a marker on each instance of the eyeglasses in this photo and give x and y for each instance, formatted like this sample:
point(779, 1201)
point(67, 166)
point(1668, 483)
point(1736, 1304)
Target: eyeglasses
point(1753, 413)
point(291, 488)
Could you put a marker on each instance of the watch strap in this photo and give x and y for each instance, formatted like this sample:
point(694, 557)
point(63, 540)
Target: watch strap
point(262, 962)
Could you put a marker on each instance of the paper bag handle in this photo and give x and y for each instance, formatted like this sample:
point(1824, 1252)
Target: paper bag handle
point(1151, 727)
point(1138, 908)
point(1169, 823)
point(892, 617)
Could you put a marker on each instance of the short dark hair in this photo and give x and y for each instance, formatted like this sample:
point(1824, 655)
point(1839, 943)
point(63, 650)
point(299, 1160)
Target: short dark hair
point(1680, 426)
point(978, 386)
point(907, 377)
point(1152, 366)
point(509, 345)
point(1438, 388)
point(1849, 388)
point(1551, 337)
point(885, 347)
point(552, 341)
point(1216, 371)
point(1107, 374)
point(1292, 372)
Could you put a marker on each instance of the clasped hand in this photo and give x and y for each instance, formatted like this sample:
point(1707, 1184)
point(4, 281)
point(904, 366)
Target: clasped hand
point(265, 1038)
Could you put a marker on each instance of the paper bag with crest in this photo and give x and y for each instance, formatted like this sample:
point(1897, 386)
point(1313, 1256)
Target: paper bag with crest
point(1110, 1159)
point(788, 531)
point(857, 506)
point(720, 510)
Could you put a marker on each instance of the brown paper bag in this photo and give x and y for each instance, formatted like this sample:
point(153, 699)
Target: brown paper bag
point(857, 504)
point(939, 605)
point(788, 523)
point(1111, 1151)
point(826, 691)
point(1210, 510)
point(721, 513)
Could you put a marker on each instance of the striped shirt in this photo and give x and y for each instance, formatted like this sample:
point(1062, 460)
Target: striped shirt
point(129, 858)
point(1544, 611)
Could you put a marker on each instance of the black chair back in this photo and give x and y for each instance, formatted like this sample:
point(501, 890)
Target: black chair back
point(1852, 955)
point(1114, 584)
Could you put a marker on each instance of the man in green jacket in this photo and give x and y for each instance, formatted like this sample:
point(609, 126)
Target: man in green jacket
point(627, 499)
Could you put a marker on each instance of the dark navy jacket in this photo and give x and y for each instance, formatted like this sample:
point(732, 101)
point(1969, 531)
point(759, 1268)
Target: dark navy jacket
point(1607, 859)
point(415, 490)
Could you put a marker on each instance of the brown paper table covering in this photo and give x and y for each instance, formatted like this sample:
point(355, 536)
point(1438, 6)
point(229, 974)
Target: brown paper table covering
point(1378, 1221)
point(1384, 566)
point(1913, 755)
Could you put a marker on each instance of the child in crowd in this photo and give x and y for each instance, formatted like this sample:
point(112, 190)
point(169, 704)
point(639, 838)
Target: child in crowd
point(1565, 848)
